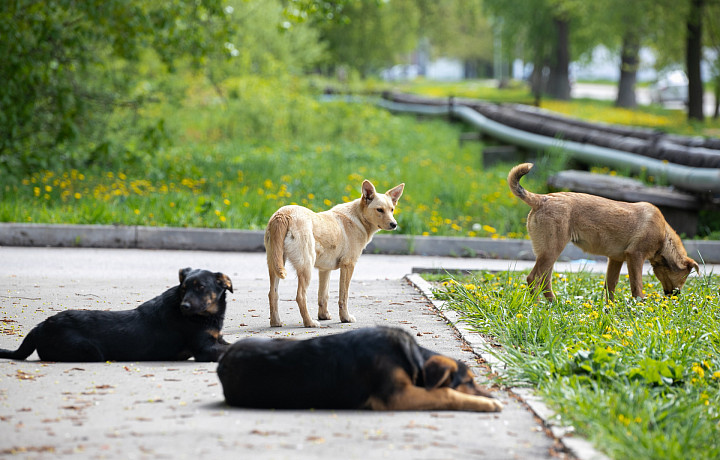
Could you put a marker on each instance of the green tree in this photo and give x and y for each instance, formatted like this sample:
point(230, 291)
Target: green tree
point(679, 37)
point(713, 31)
point(545, 30)
point(264, 42)
point(372, 34)
point(67, 64)
point(622, 27)
point(460, 29)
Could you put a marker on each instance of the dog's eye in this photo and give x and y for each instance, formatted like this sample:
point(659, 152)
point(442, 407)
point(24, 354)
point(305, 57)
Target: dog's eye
point(380, 210)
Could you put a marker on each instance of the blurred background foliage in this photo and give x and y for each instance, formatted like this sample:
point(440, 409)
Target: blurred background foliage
point(167, 90)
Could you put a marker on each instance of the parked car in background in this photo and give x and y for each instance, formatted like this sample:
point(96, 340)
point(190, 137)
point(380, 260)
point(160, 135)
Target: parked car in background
point(670, 87)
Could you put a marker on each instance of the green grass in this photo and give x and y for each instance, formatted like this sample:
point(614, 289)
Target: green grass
point(272, 143)
point(200, 159)
point(640, 379)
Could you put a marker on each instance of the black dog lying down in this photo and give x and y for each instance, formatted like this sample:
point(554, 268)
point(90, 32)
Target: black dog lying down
point(375, 368)
point(182, 322)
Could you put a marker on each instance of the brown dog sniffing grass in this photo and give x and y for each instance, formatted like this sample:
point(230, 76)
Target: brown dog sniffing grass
point(623, 232)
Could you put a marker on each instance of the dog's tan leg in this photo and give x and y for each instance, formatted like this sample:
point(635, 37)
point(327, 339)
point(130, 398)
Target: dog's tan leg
point(635, 265)
point(323, 296)
point(301, 298)
point(417, 398)
point(612, 276)
point(346, 272)
point(273, 296)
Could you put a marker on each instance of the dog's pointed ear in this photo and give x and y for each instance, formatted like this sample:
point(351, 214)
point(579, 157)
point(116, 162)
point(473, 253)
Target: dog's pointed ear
point(368, 191)
point(395, 193)
point(437, 371)
point(224, 281)
point(184, 273)
point(691, 264)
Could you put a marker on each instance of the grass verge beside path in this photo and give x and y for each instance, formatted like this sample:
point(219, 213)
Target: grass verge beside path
point(640, 379)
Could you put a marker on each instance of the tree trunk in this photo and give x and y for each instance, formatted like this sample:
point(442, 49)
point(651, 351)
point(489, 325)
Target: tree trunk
point(693, 57)
point(536, 82)
point(559, 82)
point(628, 71)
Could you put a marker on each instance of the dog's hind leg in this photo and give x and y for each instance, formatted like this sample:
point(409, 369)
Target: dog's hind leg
point(70, 349)
point(304, 275)
point(273, 296)
point(346, 273)
point(323, 296)
point(540, 277)
point(612, 276)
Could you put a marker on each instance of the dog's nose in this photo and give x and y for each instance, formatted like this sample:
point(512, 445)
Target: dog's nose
point(185, 305)
point(393, 225)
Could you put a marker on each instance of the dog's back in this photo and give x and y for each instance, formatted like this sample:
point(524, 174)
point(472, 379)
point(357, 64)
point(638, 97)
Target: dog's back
point(340, 371)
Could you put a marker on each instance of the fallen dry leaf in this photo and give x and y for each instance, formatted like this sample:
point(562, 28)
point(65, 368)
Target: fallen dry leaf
point(22, 375)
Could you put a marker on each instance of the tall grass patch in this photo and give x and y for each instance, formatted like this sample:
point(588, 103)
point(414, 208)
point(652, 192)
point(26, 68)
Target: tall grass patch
point(229, 156)
point(640, 378)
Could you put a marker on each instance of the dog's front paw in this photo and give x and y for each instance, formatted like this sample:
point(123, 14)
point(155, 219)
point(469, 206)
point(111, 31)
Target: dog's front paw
point(324, 316)
point(347, 318)
point(496, 405)
point(311, 323)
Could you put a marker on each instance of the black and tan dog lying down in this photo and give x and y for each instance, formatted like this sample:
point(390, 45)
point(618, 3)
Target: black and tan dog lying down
point(374, 368)
point(183, 322)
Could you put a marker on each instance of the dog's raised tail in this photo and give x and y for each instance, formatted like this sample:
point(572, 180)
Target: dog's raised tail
point(27, 346)
point(513, 180)
point(275, 233)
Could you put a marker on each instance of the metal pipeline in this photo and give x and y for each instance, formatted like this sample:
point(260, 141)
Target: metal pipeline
point(683, 177)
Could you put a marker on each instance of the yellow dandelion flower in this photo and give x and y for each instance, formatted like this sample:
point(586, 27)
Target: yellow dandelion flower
point(697, 368)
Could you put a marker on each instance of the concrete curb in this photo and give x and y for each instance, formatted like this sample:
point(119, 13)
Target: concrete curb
point(205, 239)
point(577, 446)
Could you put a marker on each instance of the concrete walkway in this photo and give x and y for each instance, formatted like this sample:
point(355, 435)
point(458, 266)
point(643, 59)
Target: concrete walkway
point(176, 409)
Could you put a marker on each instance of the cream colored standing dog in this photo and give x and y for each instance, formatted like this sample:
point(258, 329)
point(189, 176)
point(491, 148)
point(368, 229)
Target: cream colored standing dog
point(326, 240)
point(624, 232)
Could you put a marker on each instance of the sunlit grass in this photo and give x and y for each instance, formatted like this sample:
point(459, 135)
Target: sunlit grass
point(228, 157)
point(235, 161)
point(639, 378)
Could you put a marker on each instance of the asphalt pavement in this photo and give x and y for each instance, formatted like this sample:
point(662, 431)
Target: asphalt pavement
point(176, 409)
